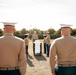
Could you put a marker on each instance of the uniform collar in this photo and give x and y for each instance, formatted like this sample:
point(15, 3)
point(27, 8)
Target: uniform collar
point(65, 35)
point(8, 34)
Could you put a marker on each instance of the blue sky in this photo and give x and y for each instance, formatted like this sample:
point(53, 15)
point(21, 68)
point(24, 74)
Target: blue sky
point(41, 14)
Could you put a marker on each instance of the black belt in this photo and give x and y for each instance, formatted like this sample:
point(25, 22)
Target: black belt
point(9, 68)
point(66, 65)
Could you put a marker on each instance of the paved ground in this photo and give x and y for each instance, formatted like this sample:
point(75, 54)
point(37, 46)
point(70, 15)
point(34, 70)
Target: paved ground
point(37, 65)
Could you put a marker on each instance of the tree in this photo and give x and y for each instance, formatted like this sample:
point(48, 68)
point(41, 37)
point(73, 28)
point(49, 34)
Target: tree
point(73, 31)
point(58, 32)
point(51, 31)
point(17, 32)
point(1, 32)
point(23, 31)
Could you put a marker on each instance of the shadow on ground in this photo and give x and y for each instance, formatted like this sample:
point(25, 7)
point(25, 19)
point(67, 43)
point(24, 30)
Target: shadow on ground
point(29, 56)
point(30, 63)
point(40, 58)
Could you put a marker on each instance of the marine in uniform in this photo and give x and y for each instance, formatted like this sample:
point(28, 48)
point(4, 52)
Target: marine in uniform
point(26, 39)
point(47, 43)
point(34, 36)
point(63, 53)
point(44, 43)
point(12, 52)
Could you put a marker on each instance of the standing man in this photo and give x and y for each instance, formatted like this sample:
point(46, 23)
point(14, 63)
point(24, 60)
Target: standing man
point(48, 43)
point(63, 53)
point(34, 36)
point(12, 52)
point(44, 43)
point(26, 39)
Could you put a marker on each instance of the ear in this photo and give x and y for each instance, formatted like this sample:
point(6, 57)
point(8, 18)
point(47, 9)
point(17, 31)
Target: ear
point(14, 29)
point(3, 28)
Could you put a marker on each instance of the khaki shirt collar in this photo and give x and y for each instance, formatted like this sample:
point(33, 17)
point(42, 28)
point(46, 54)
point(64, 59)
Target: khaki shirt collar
point(8, 34)
point(65, 35)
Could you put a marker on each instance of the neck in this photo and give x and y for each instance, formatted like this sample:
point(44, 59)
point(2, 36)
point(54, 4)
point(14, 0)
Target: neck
point(66, 35)
point(8, 33)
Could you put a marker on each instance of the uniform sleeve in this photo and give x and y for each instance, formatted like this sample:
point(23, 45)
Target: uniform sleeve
point(52, 56)
point(48, 40)
point(37, 36)
point(22, 60)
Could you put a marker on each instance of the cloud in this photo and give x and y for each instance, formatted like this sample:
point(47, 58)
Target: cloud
point(38, 13)
point(25, 3)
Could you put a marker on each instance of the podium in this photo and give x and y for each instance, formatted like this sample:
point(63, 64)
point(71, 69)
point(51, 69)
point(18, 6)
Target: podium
point(37, 48)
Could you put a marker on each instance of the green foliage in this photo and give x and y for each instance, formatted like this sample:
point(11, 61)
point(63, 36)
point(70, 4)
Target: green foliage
point(17, 32)
point(73, 31)
point(58, 32)
point(31, 31)
point(1, 32)
point(51, 31)
point(53, 34)
point(23, 31)
point(37, 30)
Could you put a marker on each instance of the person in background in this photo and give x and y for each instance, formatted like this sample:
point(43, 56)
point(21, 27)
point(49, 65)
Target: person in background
point(63, 53)
point(44, 43)
point(12, 52)
point(26, 39)
point(47, 43)
point(34, 36)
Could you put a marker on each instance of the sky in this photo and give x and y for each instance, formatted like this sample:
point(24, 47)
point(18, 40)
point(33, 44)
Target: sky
point(40, 14)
